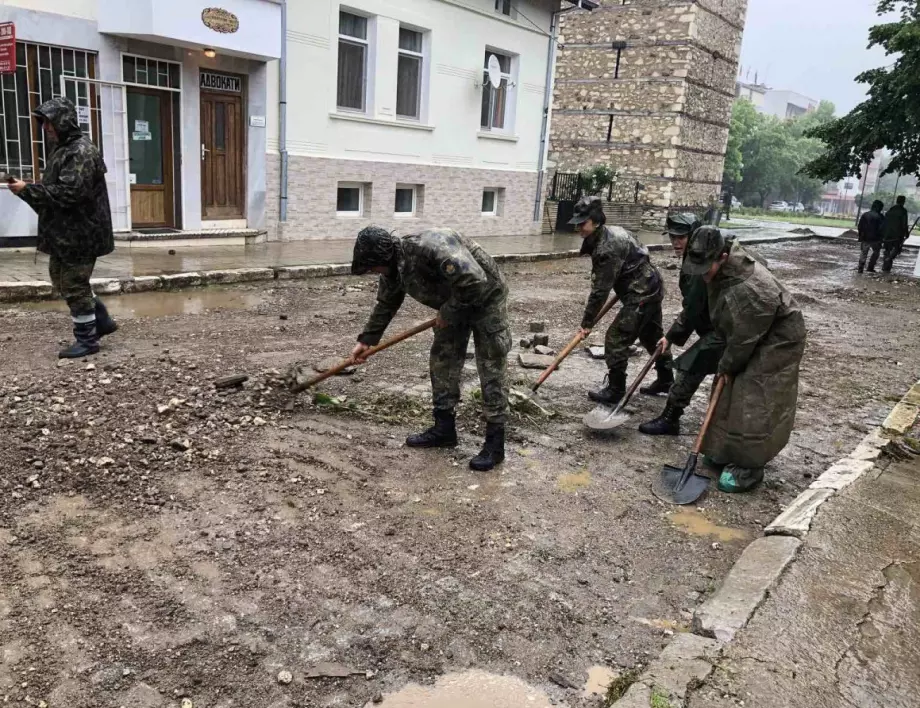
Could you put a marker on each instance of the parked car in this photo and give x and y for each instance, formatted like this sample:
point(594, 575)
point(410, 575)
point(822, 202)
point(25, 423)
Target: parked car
point(736, 203)
point(780, 206)
point(798, 207)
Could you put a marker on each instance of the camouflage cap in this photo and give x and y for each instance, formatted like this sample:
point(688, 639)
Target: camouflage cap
point(585, 207)
point(375, 247)
point(706, 245)
point(682, 224)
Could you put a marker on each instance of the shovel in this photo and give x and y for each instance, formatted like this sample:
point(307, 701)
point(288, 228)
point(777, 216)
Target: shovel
point(685, 486)
point(570, 347)
point(370, 352)
point(602, 418)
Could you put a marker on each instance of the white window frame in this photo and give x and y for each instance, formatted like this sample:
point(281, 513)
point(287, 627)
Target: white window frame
point(423, 67)
point(510, 94)
point(366, 44)
point(406, 214)
point(494, 191)
point(350, 214)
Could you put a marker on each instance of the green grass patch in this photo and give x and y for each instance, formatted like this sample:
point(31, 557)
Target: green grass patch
point(660, 699)
point(619, 686)
point(802, 219)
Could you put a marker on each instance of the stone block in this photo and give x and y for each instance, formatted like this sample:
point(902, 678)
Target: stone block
point(105, 286)
point(24, 291)
point(237, 275)
point(597, 352)
point(544, 351)
point(540, 340)
point(871, 447)
point(141, 284)
point(537, 327)
point(754, 574)
point(534, 361)
point(796, 519)
point(842, 474)
point(913, 396)
point(181, 280)
point(901, 419)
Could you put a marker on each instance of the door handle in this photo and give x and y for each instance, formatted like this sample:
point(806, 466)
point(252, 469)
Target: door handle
point(203, 151)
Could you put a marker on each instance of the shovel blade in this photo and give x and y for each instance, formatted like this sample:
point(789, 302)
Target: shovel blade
point(605, 418)
point(682, 485)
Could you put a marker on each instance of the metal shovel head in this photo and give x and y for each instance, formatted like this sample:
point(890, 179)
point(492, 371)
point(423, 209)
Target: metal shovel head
point(681, 485)
point(605, 418)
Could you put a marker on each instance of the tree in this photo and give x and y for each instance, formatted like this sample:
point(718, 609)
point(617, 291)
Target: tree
point(744, 122)
point(890, 115)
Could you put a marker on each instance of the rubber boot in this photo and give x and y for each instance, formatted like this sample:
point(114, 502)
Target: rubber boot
point(442, 434)
point(87, 341)
point(662, 384)
point(105, 325)
point(613, 389)
point(493, 450)
point(668, 423)
point(736, 480)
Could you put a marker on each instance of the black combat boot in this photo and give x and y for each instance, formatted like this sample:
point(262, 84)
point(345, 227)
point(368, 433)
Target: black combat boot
point(662, 383)
point(442, 434)
point(613, 390)
point(668, 423)
point(104, 323)
point(87, 341)
point(493, 450)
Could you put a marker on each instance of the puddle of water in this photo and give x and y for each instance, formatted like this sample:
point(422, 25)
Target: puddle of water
point(571, 483)
point(469, 689)
point(694, 523)
point(599, 678)
point(163, 304)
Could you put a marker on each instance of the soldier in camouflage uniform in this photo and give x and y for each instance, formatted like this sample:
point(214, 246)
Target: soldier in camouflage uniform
point(74, 221)
point(620, 264)
point(452, 274)
point(701, 359)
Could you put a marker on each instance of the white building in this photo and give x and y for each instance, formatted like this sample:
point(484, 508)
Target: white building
point(755, 93)
point(787, 104)
point(390, 115)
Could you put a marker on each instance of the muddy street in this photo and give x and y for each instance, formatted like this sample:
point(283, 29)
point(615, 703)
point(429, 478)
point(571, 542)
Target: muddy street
point(164, 543)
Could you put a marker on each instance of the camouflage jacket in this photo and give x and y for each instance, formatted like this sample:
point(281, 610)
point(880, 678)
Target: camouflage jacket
point(620, 264)
point(72, 203)
point(441, 269)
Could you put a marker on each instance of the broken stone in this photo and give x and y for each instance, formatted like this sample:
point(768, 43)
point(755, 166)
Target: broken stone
point(332, 670)
point(525, 343)
point(180, 445)
point(534, 361)
point(544, 351)
point(537, 326)
point(285, 677)
point(596, 352)
point(541, 340)
point(231, 381)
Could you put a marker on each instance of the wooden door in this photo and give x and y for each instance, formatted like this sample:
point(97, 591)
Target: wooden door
point(222, 189)
point(150, 154)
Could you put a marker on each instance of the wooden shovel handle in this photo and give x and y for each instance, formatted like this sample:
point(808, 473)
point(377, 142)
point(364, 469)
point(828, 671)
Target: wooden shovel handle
point(418, 329)
point(570, 347)
point(710, 412)
point(640, 378)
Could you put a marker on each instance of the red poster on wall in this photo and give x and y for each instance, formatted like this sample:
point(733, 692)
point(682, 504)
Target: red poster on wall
point(7, 48)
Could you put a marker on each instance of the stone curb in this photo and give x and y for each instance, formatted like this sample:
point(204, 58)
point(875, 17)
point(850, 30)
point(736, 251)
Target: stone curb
point(41, 290)
point(760, 567)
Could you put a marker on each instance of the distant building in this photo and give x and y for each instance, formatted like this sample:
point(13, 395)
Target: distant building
point(843, 197)
point(787, 104)
point(755, 93)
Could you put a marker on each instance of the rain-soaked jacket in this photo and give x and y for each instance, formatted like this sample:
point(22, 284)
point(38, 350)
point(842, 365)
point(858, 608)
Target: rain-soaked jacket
point(448, 272)
point(764, 334)
point(72, 203)
point(896, 225)
point(620, 264)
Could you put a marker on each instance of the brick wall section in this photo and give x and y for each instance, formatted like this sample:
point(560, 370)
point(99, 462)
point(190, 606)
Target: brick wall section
point(451, 196)
point(670, 99)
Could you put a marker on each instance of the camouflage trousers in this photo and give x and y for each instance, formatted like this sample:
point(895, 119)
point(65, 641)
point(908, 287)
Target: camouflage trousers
point(635, 321)
point(693, 366)
point(492, 339)
point(71, 281)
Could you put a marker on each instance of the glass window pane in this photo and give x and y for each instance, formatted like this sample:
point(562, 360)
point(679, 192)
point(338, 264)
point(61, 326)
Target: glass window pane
point(69, 64)
point(499, 98)
point(488, 201)
point(351, 76)
point(128, 70)
point(405, 198)
point(44, 57)
point(141, 71)
point(486, 119)
point(408, 84)
point(22, 91)
point(348, 199)
point(45, 89)
point(145, 146)
point(80, 68)
point(173, 76)
point(352, 25)
point(57, 68)
point(20, 54)
point(220, 126)
point(410, 40)
point(505, 63)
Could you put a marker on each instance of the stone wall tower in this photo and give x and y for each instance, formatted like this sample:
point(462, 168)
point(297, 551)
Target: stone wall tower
point(647, 86)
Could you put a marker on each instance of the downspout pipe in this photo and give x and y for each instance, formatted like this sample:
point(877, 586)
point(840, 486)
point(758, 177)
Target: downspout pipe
point(547, 98)
point(282, 92)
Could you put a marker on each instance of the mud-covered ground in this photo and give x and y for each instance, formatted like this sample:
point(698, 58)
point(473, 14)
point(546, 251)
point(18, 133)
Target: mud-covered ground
point(161, 541)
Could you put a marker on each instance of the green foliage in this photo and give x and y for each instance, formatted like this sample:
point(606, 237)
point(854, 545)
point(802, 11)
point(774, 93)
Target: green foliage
point(888, 199)
point(596, 180)
point(744, 121)
point(659, 699)
point(890, 115)
point(619, 686)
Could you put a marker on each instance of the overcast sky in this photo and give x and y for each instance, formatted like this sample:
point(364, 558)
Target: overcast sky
point(815, 47)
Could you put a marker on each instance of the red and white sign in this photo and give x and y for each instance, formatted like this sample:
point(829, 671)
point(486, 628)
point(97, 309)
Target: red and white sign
point(7, 48)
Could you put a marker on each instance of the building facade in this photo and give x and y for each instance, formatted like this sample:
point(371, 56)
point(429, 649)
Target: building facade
point(787, 104)
point(372, 111)
point(646, 87)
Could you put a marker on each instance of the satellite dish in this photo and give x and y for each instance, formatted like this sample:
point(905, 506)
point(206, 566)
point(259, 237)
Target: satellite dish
point(495, 72)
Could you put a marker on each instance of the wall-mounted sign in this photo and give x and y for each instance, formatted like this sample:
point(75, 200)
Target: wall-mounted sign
point(7, 48)
point(83, 115)
point(257, 121)
point(220, 20)
point(220, 82)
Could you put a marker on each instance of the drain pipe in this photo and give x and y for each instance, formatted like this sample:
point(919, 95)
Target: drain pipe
point(547, 98)
point(282, 138)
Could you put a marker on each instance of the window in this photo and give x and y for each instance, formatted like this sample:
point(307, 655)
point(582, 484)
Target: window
point(503, 6)
point(495, 100)
point(489, 202)
point(350, 199)
point(39, 69)
point(409, 74)
point(352, 77)
point(406, 200)
point(150, 72)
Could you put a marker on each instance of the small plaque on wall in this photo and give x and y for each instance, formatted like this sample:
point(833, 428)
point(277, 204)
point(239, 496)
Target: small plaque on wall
point(257, 121)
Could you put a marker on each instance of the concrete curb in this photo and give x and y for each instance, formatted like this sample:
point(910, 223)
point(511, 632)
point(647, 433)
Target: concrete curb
point(41, 290)
point(760, 567)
